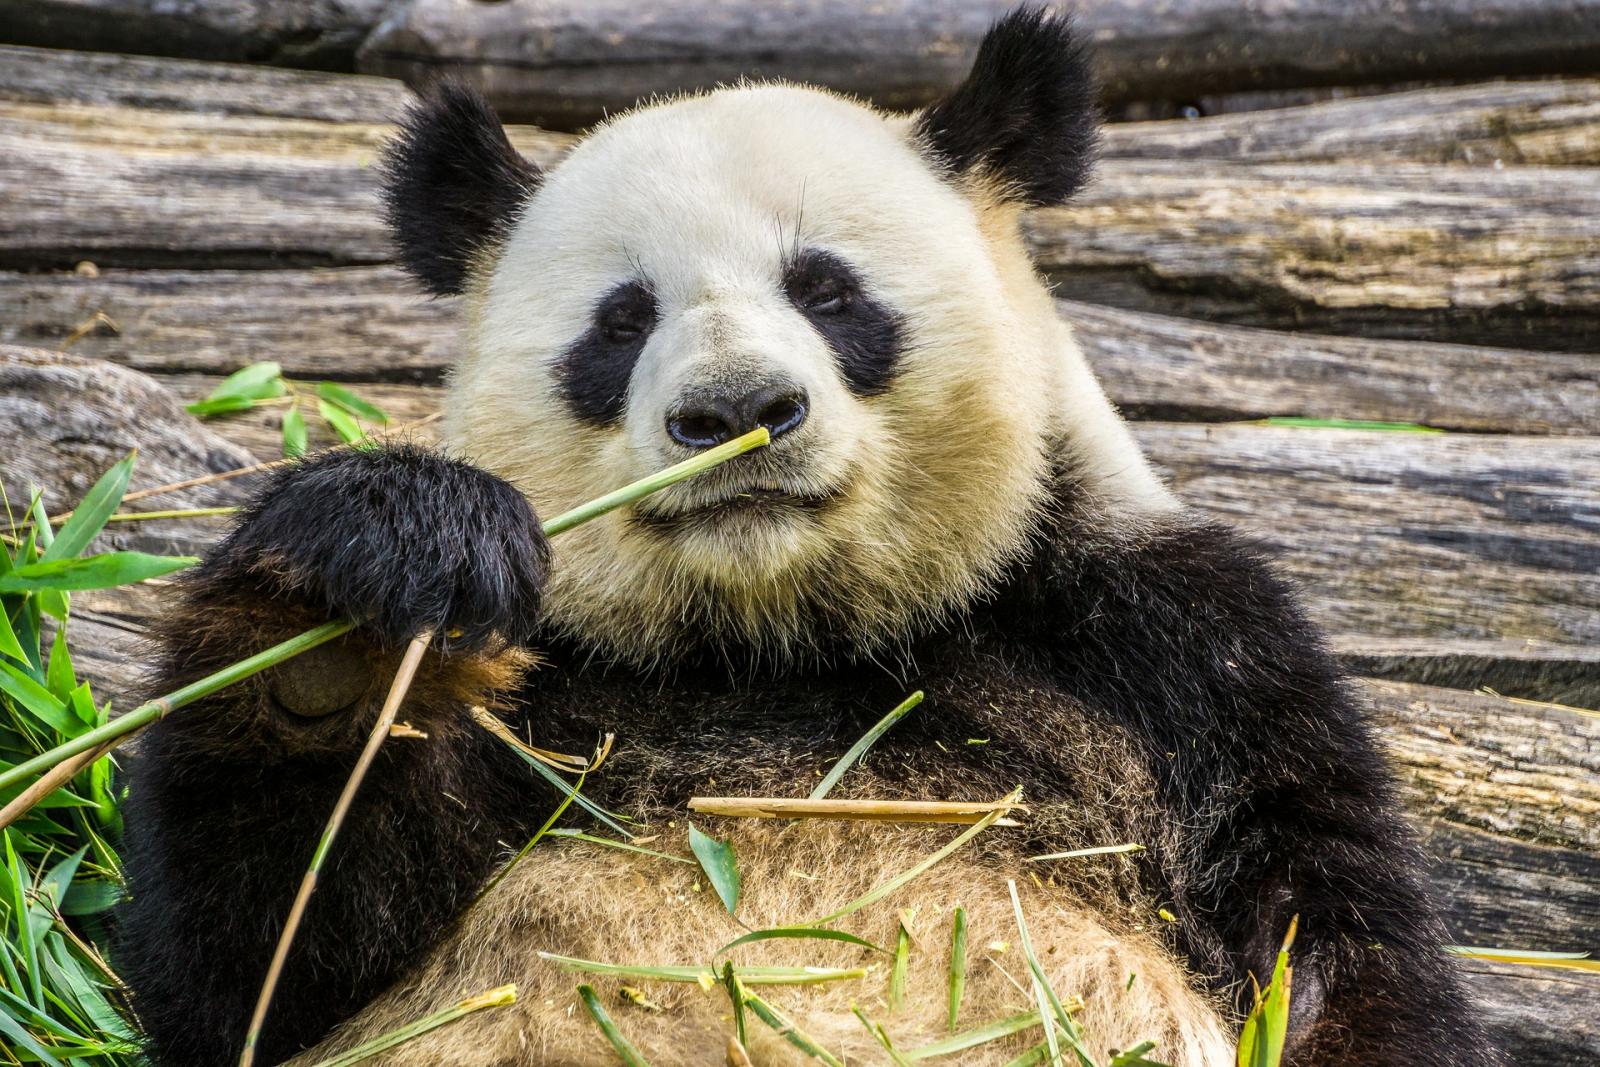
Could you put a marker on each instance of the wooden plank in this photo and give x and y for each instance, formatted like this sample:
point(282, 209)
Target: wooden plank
point(1555, 122)
point(1540, 1015)
point(568, 62)
point(144, 186)
point(107, 79)
point(372, 324)
point(1507, 256)
point(1155, 366)
point(298, 33)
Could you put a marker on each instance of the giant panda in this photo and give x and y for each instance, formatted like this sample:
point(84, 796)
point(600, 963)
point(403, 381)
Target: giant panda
point(949, 502)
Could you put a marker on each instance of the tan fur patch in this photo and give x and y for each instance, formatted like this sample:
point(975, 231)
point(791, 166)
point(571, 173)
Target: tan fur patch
point(597, 903)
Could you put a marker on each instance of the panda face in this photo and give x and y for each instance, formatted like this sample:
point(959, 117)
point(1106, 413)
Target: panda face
point(782, 257)
point(774, 257)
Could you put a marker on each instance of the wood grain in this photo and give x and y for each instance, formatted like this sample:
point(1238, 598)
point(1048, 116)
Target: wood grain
point(1541, 1016)
point(568, 62)
point(1555, 122)
point(1507, 256)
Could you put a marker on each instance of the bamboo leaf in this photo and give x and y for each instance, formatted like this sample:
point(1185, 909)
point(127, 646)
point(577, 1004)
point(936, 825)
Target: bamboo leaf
point(593, 839)
point(343, 425)
point(717, 860)
point(294, 432)
point(797, 932)
point(221, 406)
point(882, 1037)
point(89, 517)
point(91, 572)
point(259, 381)
point(786, 1029)
point(1266, 1030)
point(37, 699)
point(8, 637)
point(698, 973)
point(355, 405)
point(980, 1035)
point(624, 1049)
point(59, 678)
point(494, 998)
point(859, 749)
point(958, 964)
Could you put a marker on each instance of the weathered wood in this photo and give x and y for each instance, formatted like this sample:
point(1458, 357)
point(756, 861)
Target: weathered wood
point(69, 419)
point(52, 76)
point(296, 33)
point(1540, 1015)
point(1154, 366)
point(372, 324)
point(567, 63)
point(1507, 256)
point(143, 186)
point(1553, 122)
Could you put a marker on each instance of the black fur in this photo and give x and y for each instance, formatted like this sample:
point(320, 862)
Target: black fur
point(452, 185)
point(595, 369)
point(401, 537)
point(865, 335)
point(1025, 117)
point(1183, 653)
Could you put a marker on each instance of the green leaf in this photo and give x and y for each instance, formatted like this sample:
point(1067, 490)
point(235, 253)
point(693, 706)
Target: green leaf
point(59, 678)
point(982, 1035)
point(259, 381)
point(797, 932)
point(8, 637)
point(859, 749)
point(222, 406)
point(716, 859)
point(90, 516)
point(1348, 424)
point(294, 432)
point(92, 572)
point(39, 700)
point(593, 839)
point(958, 964)
point(624, 1049)
point(343, 425)
point(92, 897)
point(1135, 1056)
point(355, 405)
point(1266, 1030)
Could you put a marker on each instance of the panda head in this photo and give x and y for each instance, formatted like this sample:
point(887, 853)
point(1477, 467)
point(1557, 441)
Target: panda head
point(778, 256)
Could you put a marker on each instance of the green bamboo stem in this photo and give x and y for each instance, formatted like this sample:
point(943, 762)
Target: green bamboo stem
point(494, 998)
point(120, 728)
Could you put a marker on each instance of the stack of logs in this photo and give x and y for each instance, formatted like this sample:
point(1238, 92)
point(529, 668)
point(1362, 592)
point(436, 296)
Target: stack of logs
point(1427, 256)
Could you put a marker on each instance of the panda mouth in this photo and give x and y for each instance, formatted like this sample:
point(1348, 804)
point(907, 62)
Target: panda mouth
point(754, 501)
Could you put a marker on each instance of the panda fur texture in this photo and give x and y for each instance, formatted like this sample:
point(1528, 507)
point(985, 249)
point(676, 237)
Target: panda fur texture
point(950, 503)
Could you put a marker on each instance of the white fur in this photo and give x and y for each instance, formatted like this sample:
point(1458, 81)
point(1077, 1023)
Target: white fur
point(704, 197)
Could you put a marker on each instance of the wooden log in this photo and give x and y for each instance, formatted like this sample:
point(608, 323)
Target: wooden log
point(1553, 122)
point(323, 34)
point(104, 79)
point(372, 324)
point(1539, 1015)
point(569, 62)
point(1507, 256)
point(68, 420)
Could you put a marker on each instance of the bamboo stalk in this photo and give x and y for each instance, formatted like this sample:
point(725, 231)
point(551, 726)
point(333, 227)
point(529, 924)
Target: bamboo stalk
point(48, 783)
point(125, 725)
point(308, 885)
point(962, 813)
point(494, 998)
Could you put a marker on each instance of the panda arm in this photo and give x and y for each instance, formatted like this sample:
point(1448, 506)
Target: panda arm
point(228, 797)
point(1266, 764)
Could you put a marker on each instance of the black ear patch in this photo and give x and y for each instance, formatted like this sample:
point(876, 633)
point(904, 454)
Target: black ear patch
point(452, 184)
point(1026, 115)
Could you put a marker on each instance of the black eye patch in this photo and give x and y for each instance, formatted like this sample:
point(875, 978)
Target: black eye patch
point(865, 335)
point(595, 369)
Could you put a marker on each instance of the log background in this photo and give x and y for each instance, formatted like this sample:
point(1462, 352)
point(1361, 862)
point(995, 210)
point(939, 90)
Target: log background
point(1382, 210)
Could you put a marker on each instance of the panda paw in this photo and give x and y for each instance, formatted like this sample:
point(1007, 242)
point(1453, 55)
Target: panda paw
point(401, 537)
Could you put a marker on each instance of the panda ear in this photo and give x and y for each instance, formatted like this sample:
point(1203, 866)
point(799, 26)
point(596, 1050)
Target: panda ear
point(452, 185)
point(1025, 118)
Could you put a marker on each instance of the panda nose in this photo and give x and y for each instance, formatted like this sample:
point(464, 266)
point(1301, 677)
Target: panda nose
point(706, 419)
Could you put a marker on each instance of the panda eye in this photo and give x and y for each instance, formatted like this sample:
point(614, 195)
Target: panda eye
point(828, 301)
point(820, 283)
point(627, 314)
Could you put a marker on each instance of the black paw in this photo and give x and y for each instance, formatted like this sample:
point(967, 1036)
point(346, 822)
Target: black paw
point(401, 537)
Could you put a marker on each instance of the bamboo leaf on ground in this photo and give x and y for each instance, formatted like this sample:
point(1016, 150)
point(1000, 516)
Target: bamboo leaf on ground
point(958, 964)
point(629, 1055)
point(717, 860)
point(859, 749)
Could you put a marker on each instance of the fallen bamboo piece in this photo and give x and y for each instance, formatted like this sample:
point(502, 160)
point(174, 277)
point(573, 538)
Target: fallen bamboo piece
point(963, 813)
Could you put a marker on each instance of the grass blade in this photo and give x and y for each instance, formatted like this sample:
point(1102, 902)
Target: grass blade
point(701, 974)
point(797, 932)
point(785, 1028)
point(494, 998)
point(859, 749)
point(902, 960)
point(1050, 1009)
point(579, 835)
point(981, 1035)
point(882, 1037)
point(629, 1055)
point(875, 895)
point(958, 964)
point(1098, 850)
